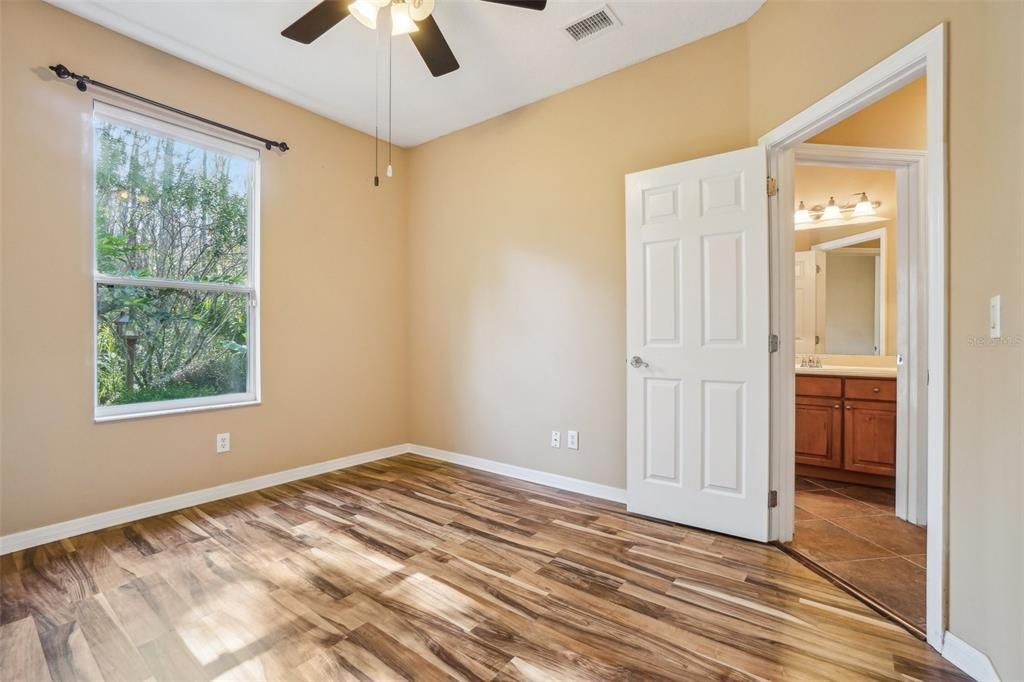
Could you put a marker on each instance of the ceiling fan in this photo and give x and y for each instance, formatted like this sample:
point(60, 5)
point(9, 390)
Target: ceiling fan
point(412, 17)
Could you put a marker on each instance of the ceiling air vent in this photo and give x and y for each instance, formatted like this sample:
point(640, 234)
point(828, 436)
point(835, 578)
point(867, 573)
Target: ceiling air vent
point(592, 25)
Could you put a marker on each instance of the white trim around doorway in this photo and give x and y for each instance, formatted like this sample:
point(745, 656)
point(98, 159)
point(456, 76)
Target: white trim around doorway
point(924, 56)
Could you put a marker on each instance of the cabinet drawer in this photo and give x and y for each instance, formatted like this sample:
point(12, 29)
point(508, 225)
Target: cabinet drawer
point(871, 389)
point(830, 387)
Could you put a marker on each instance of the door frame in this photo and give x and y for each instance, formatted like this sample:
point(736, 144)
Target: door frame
point(925, 56)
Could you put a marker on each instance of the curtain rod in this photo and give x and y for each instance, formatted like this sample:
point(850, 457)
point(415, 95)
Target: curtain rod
point(83, 83)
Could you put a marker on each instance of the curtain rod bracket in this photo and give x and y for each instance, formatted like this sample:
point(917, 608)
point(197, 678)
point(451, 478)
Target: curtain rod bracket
point(82, 82)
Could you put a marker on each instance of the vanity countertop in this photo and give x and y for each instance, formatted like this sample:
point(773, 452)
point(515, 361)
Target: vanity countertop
point(848, 371)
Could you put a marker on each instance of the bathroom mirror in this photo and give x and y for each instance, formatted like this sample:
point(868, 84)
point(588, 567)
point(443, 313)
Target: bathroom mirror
point(841, 296)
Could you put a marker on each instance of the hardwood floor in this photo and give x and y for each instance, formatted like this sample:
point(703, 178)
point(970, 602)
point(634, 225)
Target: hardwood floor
point(412, 568)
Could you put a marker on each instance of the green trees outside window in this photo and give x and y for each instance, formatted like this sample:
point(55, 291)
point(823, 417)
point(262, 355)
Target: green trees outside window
point(173, 281)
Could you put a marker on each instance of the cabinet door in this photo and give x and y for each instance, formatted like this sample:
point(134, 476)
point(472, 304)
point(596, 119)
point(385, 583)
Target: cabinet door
point(819, 427)
point(869, 430)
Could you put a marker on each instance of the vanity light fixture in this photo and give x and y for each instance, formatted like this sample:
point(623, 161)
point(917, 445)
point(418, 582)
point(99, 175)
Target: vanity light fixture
point(802, 215)
point(832, 211)
point(863, 208)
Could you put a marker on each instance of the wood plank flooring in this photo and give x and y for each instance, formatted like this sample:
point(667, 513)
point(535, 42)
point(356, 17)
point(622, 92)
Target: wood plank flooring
point(410, 568)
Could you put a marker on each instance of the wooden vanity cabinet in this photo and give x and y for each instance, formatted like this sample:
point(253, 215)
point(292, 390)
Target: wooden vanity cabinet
point(819, 432)
point(869, 437)
point(846, 429)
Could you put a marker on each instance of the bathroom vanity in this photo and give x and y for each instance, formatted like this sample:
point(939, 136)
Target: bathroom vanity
point(846, 424)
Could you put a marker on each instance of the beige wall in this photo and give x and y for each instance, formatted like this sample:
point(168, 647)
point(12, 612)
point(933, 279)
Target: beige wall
point(896, 121)
point(814, 185)
point(517, 286)
point(518, 267)
point(333, 305)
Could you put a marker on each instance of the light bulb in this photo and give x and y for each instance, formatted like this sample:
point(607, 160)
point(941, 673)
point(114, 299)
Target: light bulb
point(802, 215)
point(420, 9)
point(389, 172)
point(401, 22)
point(365, 12)
point(832, 211)
point(863, 207)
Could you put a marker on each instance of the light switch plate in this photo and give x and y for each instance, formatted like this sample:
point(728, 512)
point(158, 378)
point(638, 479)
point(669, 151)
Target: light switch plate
point(572, 440)
point(995, 305)
point(556, 439)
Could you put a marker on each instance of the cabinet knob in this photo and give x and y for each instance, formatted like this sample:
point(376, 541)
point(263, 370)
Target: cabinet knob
point(836, 406)
point(876, 389)
point(848, 407)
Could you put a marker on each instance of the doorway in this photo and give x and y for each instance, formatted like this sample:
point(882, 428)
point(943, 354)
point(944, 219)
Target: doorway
point(926, 366)
point(856, 228)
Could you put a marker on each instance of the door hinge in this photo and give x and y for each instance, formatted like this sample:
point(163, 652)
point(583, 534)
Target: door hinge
point(817, 269)
point(773, 499)
point(773, 187)
point(773, 343)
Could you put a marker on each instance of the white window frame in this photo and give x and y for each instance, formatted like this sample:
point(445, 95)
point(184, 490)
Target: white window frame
point(199, 138)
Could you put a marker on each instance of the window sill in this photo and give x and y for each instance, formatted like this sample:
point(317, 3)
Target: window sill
point(102, 418)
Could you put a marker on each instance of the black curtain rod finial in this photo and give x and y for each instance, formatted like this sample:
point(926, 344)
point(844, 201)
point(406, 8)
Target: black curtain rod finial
point(83, 82)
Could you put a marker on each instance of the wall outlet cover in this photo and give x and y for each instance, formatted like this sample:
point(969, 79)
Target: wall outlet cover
point(223, 442)
point(556, 439)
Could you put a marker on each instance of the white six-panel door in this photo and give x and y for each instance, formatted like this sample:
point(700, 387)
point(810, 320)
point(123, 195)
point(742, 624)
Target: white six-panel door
point(697, 340)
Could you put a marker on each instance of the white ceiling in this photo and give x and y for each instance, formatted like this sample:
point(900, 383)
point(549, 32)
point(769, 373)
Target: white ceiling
point(509, 57)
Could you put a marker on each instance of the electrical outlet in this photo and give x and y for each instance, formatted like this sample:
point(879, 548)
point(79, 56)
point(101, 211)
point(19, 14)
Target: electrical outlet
point(572, 440)
point(223, 442)
point(556, 439)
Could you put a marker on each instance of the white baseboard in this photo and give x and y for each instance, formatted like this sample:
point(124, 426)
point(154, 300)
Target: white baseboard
point(114, 517)
point(967, 658)
point(85, 524)
point(575, 485)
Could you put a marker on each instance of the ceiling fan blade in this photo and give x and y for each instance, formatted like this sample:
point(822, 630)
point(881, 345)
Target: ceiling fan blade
point(524, 4)
point(317, 21)
point(434, 48)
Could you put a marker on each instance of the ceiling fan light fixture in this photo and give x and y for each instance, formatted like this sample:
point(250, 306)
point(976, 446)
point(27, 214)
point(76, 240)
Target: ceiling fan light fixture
point(420, 9)
point(401, 22)
point(365, 12)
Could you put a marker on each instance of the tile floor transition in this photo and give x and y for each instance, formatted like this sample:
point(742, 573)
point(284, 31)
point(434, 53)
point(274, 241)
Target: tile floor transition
point(852, 532)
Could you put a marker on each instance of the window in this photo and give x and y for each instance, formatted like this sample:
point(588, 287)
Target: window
point(175, 278)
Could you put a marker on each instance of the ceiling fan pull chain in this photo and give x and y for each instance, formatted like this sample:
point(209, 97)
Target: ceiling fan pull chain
point(376, 112)
point(391, 41)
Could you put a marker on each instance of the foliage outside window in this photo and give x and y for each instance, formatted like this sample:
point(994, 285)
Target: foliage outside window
point(174, 267)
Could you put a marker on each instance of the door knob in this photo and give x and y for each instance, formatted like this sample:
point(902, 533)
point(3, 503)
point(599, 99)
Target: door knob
point(638, 362)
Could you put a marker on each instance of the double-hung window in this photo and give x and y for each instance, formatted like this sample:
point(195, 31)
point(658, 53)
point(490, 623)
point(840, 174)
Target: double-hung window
point(176, 228)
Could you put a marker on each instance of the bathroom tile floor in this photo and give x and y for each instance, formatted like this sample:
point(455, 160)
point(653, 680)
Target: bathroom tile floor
point(852, 532)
